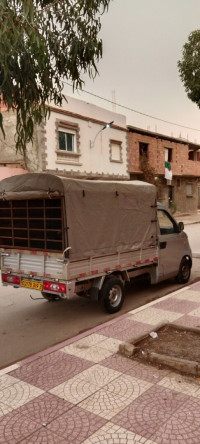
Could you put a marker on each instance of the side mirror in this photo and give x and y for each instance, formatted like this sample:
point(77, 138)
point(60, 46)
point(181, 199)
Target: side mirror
point(181, 226)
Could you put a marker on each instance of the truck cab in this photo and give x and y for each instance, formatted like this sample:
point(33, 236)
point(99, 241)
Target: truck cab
point(175, 256)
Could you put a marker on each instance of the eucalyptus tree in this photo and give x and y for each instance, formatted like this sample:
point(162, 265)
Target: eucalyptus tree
point(43, 42)
point(189, 67)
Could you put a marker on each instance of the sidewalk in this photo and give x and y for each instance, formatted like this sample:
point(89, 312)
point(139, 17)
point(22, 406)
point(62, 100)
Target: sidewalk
point(84, 391)
point(192, 218)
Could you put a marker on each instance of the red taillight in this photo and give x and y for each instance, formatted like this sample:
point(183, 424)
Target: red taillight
point(54, 286)
point(10, 279)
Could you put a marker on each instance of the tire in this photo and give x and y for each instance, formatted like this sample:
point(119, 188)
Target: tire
point(50, 297)
point(112, 295)
point(183, 275)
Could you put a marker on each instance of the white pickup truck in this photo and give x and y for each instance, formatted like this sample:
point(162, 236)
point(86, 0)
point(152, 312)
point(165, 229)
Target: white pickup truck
point(65, 236)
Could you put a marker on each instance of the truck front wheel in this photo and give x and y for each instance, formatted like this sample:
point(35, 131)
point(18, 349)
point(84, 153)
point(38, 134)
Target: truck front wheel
point(112, 295)
point(183, 275)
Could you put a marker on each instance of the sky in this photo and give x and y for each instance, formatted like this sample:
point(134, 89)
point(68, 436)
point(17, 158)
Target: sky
point(142, 42)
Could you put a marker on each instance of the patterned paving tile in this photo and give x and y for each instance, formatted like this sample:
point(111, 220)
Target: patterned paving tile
point(6, 380)
point(114, 434)
point(177, 305)
point(43, 436)
point(75, 390)
point(182, 427)
point(115, 396)
point(86, 342)
point(195, 287)
point(104, 403)
point(111, 344)
point(99, 375)
point(83, 385)
point(154, 316)
point(15, 427)
point(94, 354)
point(154, 407)
point(45, 408)
point(118, 362)
point(116, 327)
point(146, 372)
point(8, 369)
point(195, 312)
point(38, 366)
point(76, 425)
point(127, 329)
point(127, 386)
point(189, 321)
point(4, 409)
point(181, 384)
point(54, 372)
point(135, 329)
point(18, 394)
point(125, 335)
point(189, 295)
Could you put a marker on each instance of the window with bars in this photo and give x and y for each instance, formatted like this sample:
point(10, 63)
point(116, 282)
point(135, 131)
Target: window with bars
point(32, 224)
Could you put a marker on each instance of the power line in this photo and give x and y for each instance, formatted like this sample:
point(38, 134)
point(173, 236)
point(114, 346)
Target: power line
point(133, 110)
point(111, 102)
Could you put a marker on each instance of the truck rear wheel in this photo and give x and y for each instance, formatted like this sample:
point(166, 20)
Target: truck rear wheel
point(112, 295)
point(183, 275)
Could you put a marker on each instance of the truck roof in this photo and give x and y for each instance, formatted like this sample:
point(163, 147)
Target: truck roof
point(38, 184)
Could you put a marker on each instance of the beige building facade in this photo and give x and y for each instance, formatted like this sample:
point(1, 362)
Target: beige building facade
point(85, 141)
point(78, 140)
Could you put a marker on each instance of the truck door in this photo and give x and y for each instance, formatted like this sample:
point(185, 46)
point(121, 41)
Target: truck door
point(171, 245)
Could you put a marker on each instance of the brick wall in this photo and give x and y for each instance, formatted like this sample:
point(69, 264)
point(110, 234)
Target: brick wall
point(156, 155)
point(185, 171)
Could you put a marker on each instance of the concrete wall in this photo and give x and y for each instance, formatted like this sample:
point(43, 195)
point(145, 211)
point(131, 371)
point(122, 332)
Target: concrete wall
point(9, 158)
point(7, 146)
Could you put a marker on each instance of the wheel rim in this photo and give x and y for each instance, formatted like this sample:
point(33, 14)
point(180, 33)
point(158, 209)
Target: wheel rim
point(115, 295)
point(185, 270)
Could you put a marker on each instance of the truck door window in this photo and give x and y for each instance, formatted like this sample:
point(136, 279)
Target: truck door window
point(167, 225)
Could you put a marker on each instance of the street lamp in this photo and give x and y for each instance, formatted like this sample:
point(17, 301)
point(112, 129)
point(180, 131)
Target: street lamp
point(107, 125)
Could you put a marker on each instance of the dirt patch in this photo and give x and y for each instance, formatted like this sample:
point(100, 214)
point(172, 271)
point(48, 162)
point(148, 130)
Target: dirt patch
point(173, 346)
point(174, 342)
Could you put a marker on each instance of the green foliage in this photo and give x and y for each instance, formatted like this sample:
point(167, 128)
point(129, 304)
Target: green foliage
point(148, 172)
point(189, 67)
point(42, 42)
point(172, 206)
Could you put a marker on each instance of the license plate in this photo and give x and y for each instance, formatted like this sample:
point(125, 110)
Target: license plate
point(31, 284)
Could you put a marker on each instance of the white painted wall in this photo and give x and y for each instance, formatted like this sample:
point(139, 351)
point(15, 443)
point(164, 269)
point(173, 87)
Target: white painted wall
point(93, 161)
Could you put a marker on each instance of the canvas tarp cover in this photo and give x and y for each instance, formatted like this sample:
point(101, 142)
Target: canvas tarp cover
point(102, 217)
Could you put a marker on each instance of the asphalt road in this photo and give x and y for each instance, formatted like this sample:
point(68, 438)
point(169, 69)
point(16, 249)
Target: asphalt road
point(28, 325)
